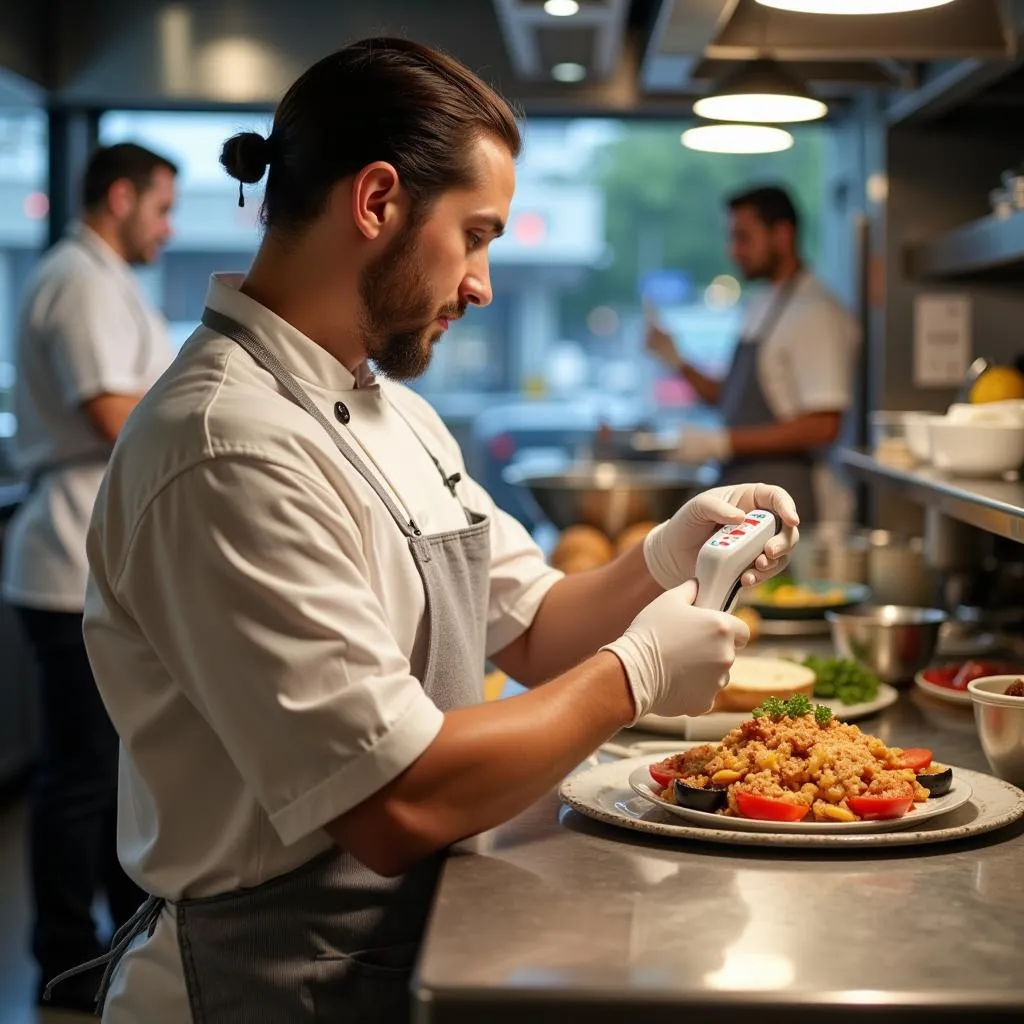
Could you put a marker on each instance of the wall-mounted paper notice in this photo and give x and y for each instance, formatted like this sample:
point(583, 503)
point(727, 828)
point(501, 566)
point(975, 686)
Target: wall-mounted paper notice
point(942, 340)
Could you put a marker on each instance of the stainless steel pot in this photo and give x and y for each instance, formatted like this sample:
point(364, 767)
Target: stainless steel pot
point(891, 565)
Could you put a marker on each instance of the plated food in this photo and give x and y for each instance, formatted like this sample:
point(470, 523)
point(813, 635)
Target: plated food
point(949, 682)
point(791, 762)
point(784, 599)
point(752, 679)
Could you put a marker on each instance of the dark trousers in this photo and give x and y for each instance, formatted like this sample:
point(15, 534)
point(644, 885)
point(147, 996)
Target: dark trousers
point(74, 806)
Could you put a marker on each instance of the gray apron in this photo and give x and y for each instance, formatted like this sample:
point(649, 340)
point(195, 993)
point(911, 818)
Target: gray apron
point(743, 404)
point(332, 940)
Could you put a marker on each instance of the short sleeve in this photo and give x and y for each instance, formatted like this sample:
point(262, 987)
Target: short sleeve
point(271, 628)
point(94, 338)
point(820, 342)
point(520, 577)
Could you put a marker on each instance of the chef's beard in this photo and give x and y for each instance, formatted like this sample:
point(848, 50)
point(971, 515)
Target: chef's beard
point(399, 315)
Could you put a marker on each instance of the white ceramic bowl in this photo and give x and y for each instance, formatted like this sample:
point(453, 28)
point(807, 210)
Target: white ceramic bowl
point(1008, 413)
point(915, 427)
point(1000, 721)
point(975, 449)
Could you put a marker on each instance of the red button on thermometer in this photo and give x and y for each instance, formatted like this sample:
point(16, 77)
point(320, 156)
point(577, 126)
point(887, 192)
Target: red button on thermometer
point(727, 555)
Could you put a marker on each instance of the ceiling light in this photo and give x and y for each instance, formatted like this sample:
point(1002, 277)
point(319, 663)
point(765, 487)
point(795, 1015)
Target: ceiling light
point(561, 8)
point(853, 6)
point(737, 138)
point(569, 71)
point(761, 91)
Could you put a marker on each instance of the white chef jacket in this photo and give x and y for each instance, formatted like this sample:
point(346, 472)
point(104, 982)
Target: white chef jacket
point(85, 329)
point(806, 364)
point(255, 619)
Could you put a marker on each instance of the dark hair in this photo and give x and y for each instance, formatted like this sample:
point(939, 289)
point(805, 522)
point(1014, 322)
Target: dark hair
point(112, 163)
point(771, 203)
point(378, 99)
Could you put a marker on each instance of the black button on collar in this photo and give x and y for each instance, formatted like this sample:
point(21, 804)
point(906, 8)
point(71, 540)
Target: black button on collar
point(341, 412)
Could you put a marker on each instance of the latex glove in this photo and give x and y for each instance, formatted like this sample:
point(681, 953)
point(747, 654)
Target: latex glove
point(697, 445)
point(678, 657)
point(671, 548)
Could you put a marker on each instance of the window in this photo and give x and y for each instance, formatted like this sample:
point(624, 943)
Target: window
point(23, 210)
point(605, 211)
point(211, 231)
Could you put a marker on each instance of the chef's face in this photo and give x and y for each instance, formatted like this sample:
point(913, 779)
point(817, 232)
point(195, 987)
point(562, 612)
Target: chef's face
point(145, 224)
point(437, 267)
point(758, 248)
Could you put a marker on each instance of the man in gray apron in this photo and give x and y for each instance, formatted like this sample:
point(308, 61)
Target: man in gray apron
point(790, 384)
point(295, 585)
point(88, 346)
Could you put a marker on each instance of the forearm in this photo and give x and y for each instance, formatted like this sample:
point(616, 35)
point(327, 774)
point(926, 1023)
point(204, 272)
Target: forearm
point(580, 613)
point(708, 389)
point(789, 437)
point(488, 763)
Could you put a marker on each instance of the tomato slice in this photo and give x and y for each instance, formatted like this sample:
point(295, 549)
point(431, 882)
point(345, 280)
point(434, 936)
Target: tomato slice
point(764, 808)
point(915, 758)
point(881, 808)
point(660, 777)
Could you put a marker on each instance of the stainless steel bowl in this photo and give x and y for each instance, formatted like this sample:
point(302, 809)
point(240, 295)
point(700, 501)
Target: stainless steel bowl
point(611, 495)
point(894, 641)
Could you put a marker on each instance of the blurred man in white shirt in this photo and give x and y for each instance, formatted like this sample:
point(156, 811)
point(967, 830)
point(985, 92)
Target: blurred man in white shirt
point(791, 380)
point(89, 345)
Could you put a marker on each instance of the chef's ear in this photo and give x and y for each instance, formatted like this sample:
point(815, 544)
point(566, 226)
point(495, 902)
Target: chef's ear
point(378, 200)
point(121, 198)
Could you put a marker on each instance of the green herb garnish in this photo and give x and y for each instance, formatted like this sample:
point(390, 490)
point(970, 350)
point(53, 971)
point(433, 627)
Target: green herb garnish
point(795, 707)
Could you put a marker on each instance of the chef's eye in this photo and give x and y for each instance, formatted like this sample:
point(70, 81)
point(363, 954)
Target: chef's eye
point(474, 240)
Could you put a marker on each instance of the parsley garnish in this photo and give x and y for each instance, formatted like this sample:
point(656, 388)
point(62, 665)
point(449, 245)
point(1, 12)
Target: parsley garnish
point(795, 707)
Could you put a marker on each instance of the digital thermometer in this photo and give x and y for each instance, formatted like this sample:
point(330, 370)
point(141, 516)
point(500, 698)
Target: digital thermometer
point(727, 555)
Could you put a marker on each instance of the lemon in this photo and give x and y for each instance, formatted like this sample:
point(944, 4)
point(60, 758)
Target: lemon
point(998, 384)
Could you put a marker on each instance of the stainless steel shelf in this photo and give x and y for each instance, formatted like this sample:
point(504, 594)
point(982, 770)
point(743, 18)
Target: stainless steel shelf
point(996, 506)
point(988, 247)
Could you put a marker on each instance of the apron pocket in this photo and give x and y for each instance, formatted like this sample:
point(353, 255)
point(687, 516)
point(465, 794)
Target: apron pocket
point(371, 986)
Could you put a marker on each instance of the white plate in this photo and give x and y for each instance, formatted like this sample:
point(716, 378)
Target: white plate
point(640, 782)
point(946, 693)
point(603, 793)
point(715, 725)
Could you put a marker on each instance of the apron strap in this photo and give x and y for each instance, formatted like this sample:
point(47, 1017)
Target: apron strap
point(782, 299)
point(144, 919)
point(240, 334)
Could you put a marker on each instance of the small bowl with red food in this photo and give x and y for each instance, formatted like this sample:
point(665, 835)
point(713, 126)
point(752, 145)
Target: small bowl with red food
point(999, 715)
point(950, 681)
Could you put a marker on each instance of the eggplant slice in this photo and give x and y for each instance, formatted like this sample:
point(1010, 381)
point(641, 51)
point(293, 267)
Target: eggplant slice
point(710, 799)
point(937, 783)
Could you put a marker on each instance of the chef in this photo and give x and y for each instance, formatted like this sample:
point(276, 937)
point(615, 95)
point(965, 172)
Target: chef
point(295, 584)
point(791, 381)
point(88, 345)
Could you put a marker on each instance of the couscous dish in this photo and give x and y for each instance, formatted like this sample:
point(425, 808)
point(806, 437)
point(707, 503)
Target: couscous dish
point(792, 762)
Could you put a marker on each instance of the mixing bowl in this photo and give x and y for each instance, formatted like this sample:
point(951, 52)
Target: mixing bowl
point(611, 495)
point(894, 641)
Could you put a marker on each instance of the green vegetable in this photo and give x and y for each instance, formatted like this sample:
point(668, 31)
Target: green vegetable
point(772, 707)
point(822, 714)
point(798, 705)
point(847, 681)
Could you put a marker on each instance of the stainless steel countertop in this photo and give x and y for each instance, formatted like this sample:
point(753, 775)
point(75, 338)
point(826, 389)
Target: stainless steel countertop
point(557, 917)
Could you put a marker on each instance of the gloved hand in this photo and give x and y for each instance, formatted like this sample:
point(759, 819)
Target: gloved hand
point(678, 657)
point(697, 445)
point(671, 548)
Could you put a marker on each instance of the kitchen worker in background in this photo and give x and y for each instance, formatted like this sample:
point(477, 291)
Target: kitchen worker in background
point(88, 346)
point(791, 381)
point(295, 584)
